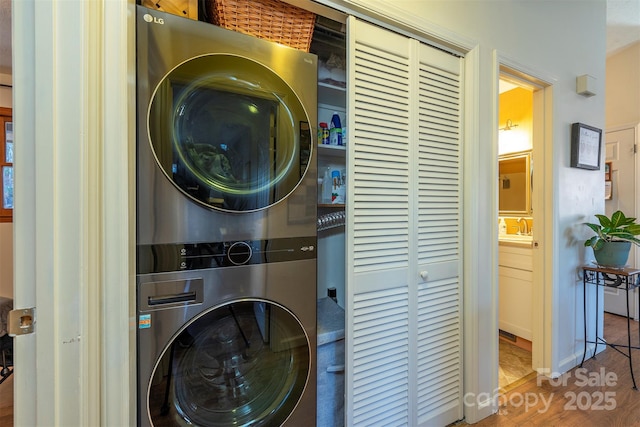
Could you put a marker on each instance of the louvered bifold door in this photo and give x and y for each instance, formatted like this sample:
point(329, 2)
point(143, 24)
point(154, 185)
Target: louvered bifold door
point(403, 219)
point(378, 227)
point(439, 221)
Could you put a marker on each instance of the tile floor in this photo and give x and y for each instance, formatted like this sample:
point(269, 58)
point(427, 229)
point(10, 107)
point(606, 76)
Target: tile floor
point(515, 363)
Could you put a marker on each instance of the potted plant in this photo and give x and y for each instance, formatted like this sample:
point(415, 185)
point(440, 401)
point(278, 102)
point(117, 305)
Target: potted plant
point(613, 239)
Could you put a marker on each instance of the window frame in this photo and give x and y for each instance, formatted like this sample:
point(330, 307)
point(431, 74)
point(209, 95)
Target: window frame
point(6, 116)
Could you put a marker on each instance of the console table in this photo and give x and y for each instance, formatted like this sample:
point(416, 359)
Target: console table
point(626, 279)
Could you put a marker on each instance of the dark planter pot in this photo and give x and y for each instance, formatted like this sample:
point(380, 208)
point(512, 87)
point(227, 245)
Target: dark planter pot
point(613, 254)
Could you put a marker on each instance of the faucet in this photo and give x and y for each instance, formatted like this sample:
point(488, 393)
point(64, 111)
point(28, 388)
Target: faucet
point(526, 226)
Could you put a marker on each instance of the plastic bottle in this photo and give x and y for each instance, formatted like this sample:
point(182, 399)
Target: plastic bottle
point(323, 130)
point(503, 226)
point(335, 130)
point(342, 191)
point(335, 185)
point(326, 187)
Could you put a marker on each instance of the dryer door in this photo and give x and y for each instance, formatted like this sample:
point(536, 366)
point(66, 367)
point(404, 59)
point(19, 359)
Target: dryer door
point(244, 363)
point(229, 133)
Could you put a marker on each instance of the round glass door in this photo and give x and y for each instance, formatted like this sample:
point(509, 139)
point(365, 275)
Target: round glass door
point(229, 133)
point(244, 363)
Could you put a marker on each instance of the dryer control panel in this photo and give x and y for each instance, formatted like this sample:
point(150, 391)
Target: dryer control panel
point(195, 256)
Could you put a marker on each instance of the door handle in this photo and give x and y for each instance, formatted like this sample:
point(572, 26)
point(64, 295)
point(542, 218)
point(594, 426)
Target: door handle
point(169, 299)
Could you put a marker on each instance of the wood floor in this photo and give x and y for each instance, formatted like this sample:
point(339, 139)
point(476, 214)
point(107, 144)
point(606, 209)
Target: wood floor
point(600, 395)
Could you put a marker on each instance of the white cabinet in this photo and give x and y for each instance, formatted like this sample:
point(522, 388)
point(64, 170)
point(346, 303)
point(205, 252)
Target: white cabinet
point(515, 269)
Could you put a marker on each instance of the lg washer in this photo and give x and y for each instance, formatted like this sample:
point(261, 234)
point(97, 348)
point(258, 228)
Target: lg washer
point(226, 227)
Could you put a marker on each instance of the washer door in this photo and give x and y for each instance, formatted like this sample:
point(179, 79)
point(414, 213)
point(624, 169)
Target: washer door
point(244, 363)
point(229, 133)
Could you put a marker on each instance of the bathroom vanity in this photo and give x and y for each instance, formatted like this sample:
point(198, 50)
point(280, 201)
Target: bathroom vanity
point(515, 269)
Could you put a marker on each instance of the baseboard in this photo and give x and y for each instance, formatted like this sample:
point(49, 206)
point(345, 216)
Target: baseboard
point(574, 360)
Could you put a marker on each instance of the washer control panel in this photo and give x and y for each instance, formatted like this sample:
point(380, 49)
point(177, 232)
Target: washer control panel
point(195, 256)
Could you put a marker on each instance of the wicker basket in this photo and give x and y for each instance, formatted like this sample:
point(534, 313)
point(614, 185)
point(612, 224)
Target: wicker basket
point(267, 19)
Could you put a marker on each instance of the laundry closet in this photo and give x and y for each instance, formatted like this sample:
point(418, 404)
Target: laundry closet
point(396, 262)
point(389, 226)
point(389, 253)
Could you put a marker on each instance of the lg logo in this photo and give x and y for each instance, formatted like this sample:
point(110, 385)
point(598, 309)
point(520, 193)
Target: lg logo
point(149, 18)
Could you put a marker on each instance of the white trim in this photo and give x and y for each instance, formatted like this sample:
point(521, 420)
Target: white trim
point(573, 360)
point(479, 373)
point(634, 126)
point(549, 197)
point(525, 73)
point(387, 15)
point(118, 403)
point(91, 192)
point(25, 16)
point(318, 9)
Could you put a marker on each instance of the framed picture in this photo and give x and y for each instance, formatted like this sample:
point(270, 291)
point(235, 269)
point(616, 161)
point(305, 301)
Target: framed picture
point(586, 144)
point(607, 171)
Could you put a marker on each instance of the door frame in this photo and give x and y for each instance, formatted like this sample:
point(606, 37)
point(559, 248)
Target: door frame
point(542, 204)
point(74, 254)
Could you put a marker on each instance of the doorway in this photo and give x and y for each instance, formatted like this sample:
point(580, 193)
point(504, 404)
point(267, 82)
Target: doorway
point(620, 194)
point(516, 225)
point(539, 262)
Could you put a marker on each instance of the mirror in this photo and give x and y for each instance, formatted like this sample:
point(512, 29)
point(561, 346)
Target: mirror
point(514, 183)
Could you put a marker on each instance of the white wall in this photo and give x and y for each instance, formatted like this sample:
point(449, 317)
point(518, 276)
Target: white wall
point(6, 228)
point(623, 87)
point(5, 92)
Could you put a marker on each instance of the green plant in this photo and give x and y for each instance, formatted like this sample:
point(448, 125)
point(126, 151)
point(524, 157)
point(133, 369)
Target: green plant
point(615, 229)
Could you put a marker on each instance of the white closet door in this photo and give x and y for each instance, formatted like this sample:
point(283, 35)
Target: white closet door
point(403, 219)
point(439, 225)
point(378, 231)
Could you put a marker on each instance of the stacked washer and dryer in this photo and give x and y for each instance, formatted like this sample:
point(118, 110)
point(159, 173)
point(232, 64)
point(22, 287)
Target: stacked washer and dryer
point(226, 227)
